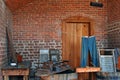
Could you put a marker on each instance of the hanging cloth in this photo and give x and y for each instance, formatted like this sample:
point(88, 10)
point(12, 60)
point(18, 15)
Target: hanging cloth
point(117, 58)
point(89, 45)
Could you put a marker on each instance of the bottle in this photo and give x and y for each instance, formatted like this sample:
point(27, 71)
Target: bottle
point(19, 58)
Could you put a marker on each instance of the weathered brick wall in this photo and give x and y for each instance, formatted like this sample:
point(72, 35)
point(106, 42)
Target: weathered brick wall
point(38, 24)
point(5, 21)
point(113, 11)
point(114, 23)
point(114, 35)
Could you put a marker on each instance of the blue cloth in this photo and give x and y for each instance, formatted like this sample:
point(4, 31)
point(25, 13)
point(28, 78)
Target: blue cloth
point(116, 55)
point(89, 45)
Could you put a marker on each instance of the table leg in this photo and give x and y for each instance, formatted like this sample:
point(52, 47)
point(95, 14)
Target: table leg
point(25, 77)
point(45, 78)
point(6, 77)
point(92, 76)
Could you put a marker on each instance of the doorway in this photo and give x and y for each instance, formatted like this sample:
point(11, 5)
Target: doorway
point(71, 38)
point(73, 29)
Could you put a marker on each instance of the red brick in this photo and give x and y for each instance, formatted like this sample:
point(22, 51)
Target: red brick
point(113, 10)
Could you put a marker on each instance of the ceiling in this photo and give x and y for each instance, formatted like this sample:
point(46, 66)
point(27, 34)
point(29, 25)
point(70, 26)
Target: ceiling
point(15, 4)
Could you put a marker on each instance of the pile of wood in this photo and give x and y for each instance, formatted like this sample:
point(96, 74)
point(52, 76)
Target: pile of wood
point(55, 67)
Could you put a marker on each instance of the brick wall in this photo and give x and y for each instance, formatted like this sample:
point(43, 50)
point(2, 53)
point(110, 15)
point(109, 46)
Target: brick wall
point(113, 11)
point(5, 21)
point(37, 25)
point(114, 23)
point(114, 35)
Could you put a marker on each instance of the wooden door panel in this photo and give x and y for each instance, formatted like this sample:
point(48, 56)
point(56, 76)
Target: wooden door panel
point(72, 47)
point(67, 41)
point(63, 42)
point(78, 44)
point(71, 38)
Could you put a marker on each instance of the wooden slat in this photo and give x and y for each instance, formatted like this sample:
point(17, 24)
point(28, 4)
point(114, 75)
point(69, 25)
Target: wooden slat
point(72, 54)
point(68, 30)
point(74, 45)
point(78, 43)
point(63, 42)
point(88, 69)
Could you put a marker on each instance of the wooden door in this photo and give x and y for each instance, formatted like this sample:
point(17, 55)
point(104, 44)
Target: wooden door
point(71, 38)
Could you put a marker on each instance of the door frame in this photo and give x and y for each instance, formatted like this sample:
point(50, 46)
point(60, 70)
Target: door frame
point(78, 19)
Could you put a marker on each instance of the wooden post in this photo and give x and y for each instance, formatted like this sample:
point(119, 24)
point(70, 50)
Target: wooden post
point(6, 77)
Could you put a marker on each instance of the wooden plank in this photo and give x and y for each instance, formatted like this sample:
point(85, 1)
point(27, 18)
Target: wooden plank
point(68, 30)
point(6, 77)
point(74, 54)
point(63, 41)
point(25, 77)
point(71, 48)
point(14, 72)
point(78, 43)
point(88, 69)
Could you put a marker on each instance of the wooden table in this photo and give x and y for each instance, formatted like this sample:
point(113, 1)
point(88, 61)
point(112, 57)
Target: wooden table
point(90, 70)
point(22, 69)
